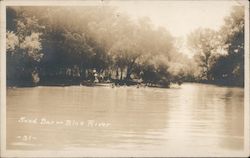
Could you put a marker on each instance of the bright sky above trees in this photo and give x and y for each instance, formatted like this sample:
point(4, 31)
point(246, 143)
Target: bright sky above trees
point(180, 17)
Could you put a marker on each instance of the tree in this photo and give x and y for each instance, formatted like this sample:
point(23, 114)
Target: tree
point(23, 47)
point(204, 43)
point(230, 66)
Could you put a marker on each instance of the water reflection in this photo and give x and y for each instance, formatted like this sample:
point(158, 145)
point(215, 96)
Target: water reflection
point(196, 116)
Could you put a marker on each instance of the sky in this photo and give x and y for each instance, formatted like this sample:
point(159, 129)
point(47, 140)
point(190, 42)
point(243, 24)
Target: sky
point(180, 17)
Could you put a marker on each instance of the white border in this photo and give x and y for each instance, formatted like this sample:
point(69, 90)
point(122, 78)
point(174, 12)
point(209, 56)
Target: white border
point(18, 153)
point(247, 82)
point(3, 79)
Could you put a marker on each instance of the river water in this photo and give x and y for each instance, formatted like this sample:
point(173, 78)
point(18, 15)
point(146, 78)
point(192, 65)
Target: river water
point(192, 118)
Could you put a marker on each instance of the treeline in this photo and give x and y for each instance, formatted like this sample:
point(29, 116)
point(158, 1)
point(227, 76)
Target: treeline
point(68, 45)
point(219, 55)
point(64, 45)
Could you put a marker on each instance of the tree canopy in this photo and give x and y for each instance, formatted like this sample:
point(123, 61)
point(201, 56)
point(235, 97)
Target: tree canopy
point(220, 54)
point(67, 44)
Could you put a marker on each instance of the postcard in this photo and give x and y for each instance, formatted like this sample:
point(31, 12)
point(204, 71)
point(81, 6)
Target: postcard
point(124, 78)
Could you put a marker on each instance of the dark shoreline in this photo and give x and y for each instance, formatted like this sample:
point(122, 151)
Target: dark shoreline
point(112, 84)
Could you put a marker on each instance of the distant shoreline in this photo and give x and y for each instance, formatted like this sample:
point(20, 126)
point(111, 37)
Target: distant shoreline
point(140, 85)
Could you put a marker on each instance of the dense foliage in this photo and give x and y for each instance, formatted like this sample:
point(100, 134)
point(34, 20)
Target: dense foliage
point(65, 45)
point(220, 54)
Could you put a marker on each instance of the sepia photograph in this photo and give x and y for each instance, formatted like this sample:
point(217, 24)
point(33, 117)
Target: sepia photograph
point(124, 78)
